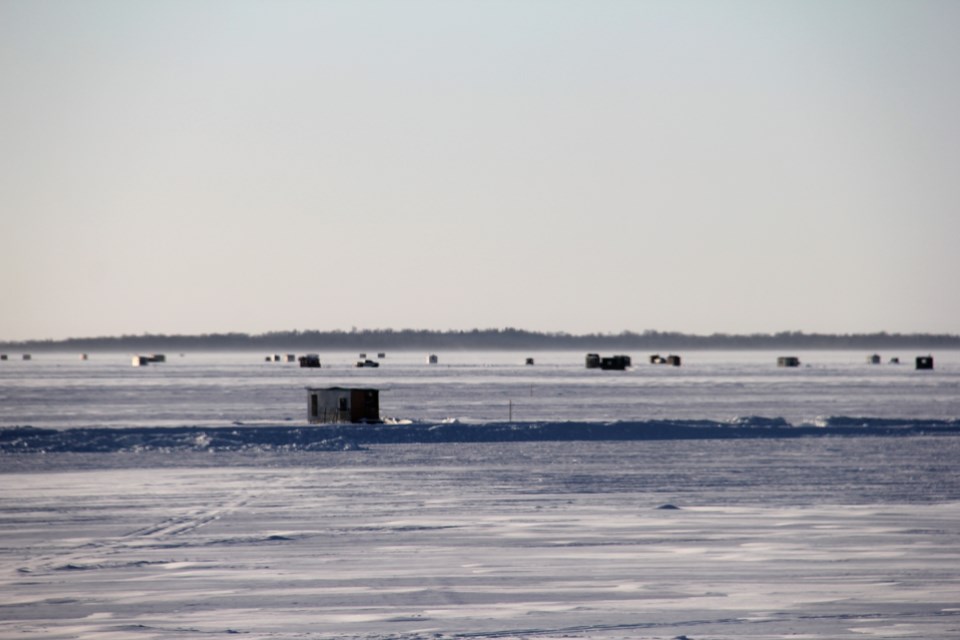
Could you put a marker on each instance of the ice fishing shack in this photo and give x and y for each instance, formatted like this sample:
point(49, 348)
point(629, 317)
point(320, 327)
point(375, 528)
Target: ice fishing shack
point(339, 404)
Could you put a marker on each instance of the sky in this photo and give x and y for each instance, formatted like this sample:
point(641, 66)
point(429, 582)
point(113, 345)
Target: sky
point(736, 166)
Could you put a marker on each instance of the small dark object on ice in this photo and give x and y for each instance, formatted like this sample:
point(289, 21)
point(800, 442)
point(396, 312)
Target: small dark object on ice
point(670, 506)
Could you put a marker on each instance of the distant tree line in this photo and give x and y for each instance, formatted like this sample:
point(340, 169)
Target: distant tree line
point(508, 339)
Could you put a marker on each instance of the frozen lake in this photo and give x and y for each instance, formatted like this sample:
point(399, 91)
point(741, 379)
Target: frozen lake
point(777, 537)
point(60, 391)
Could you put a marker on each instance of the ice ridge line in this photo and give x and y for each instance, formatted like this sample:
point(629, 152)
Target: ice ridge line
point(340, 437)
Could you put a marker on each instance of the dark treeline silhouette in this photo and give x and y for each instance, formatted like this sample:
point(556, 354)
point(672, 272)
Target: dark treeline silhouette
point(507, 339)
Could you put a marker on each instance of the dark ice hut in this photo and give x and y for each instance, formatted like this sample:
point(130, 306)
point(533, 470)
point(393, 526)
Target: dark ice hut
point(671, 360)
point(615, 363)
point(924, 362)
point(311, 360)
point(338, 404)
point(608, 363)
point(788, 361)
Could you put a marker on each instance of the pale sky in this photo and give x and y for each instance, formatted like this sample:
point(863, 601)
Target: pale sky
point(598, 165)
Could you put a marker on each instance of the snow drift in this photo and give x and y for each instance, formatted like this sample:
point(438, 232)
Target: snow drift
point(349, 436)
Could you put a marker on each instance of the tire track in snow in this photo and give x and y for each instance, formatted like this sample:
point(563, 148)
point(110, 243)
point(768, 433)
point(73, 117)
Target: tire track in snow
point(185, 523)
point(92, 554)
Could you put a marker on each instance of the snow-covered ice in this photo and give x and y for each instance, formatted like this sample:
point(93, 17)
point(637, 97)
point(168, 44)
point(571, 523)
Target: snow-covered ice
point(811, 538)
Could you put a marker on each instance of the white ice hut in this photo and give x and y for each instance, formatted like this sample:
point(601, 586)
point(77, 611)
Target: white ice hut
point(339, 404)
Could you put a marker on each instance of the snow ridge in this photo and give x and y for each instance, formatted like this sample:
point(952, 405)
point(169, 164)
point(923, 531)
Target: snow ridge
point(26, 439)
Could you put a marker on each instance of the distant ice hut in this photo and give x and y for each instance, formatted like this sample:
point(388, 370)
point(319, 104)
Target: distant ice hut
point(608, 363)
point(924, 362)
point(311, 360)
point(339, 404)
point(616, 363)
point(788, 361)
point(673, 360)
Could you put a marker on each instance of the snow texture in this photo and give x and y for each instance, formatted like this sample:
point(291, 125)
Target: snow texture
point(812, 538)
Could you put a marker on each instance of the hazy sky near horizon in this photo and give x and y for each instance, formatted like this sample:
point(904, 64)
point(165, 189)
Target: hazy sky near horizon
point(698, 166)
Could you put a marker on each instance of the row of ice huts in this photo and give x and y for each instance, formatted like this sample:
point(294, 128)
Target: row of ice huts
point(622, 362)
point(27, 356)
point(84, 356)
point(921, 362)
point(312, 360)
point(596, 361)
point(593, 360)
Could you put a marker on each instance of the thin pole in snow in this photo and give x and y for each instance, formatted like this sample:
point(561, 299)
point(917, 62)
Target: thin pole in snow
point(511, 410)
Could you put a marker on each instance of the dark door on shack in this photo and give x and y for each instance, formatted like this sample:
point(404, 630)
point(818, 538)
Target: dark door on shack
point(364, 405)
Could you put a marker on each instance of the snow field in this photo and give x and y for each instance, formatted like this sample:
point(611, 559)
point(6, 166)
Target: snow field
point(531, 540)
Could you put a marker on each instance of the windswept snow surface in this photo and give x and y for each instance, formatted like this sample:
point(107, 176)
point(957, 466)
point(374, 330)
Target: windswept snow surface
point(136, 508)
point(809, 538)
